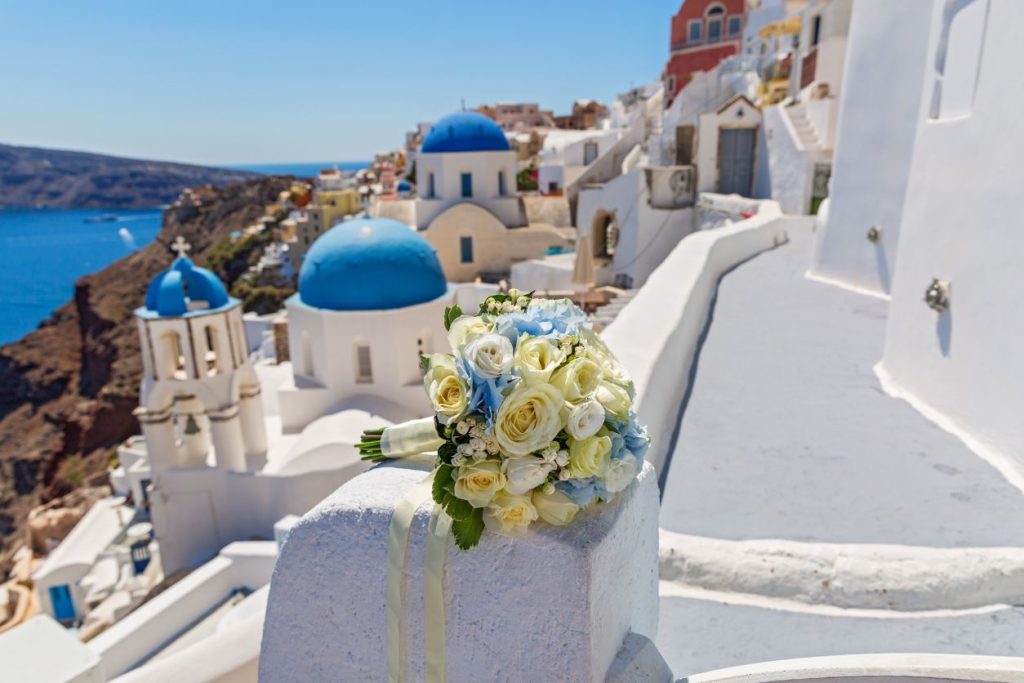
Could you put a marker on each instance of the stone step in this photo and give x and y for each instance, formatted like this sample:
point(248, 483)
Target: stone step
point(702, 631)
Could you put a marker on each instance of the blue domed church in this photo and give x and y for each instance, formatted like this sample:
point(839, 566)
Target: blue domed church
point(468, 207)
point(371, 299)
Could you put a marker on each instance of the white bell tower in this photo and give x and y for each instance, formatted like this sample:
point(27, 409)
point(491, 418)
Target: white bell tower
point(200, 399)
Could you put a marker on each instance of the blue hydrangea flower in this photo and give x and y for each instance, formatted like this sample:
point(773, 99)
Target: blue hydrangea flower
point(584, 491)
point(636, 437)
point(543, 318)
point(485, 393)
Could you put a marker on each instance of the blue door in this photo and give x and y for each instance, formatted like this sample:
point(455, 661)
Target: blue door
point(63, 608)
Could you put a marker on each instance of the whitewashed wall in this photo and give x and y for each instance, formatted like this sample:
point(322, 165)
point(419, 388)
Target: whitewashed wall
point(646, 234)
point(448, 169)
point(880, 111)
point(961, 224)
point(788, 163)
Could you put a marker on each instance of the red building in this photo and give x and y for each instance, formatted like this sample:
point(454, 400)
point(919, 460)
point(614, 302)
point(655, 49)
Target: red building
point(704, 32)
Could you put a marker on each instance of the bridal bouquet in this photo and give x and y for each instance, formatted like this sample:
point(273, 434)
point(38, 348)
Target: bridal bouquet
point(533, 418)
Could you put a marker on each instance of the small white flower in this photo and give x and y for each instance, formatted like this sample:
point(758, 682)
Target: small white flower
point(462, 427)
point(522, 302)
point(492, 447)
point(458, 459)
point(562, 459)
point(465, 449)
point(477, 444)
point(549, 488)
point(564, 475)
point(476, 431)
point(506, 307)
point(579, 350)
point(479, 455)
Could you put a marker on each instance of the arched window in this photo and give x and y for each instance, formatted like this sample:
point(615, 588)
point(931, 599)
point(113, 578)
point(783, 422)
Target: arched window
point(606, 235)
point(501, 183)
point(306, 367)
point(715, 18)
point(364, 364)
point(431, 189)
point(212, 355)
point(172, 357)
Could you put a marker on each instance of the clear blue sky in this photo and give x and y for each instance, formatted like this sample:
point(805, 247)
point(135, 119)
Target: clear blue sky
point(224, 82)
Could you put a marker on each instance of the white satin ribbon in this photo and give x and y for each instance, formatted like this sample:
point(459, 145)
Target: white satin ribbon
point(435, 557)
point(410, 438)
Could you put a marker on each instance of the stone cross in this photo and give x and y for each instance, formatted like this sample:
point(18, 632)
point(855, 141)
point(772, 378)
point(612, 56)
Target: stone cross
point(181, 247)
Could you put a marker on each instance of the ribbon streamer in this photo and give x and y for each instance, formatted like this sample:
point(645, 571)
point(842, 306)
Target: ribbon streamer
point(435, 557)
point(398, 551)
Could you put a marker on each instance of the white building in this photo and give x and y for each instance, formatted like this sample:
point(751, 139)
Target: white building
point(468, 207)
point(566, 154)
point(230, 447)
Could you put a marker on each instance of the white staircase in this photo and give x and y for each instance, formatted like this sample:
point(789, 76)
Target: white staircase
point(805, 130)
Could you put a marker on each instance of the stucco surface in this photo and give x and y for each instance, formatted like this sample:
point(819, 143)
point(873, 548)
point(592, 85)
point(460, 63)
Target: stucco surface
point(699, 635)
point(788, 435)
point(553, 605)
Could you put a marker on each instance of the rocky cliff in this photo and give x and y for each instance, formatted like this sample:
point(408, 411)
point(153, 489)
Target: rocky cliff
point(70, 386)
point(52, 178)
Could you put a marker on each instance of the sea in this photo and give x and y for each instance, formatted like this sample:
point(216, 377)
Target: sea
point(44, 251)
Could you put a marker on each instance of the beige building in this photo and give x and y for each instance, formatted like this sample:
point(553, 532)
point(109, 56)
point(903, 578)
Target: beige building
point(468, 208)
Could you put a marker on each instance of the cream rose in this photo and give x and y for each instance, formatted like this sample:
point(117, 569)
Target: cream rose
point(577, 380)
point(555, 508)
point(478, 482)
point(526, 473)
point(585, 419)
point(615, 400)
point(447, 391)
point(464, 328)
point(509, 514)
point(589, 457)
point(490, 354)
point(620, 474)
point(598, 351)
point(536, 358)
point(529, 419)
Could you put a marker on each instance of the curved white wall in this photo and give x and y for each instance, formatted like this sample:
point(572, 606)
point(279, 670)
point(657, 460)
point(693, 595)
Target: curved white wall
point(879, 114)
point(961, 224)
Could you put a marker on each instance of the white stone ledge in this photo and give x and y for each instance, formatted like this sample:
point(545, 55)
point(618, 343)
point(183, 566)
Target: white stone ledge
point(554, 605)
point(891, 668)
point(656, 335)
point(853, 576)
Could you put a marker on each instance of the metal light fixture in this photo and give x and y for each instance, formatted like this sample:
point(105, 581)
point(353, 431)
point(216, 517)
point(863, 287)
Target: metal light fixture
point(937, 295)
point(874, 234)
point(191, 426)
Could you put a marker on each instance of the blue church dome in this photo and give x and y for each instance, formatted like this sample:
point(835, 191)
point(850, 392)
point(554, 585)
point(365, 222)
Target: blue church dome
point(465, 131)
point(370, 264)
point(175, 291)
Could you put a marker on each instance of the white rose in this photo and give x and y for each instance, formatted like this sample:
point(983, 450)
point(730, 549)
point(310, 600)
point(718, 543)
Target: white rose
point(620, 474)
point(585, 419)
point(465, 328)
point(615, 400)
point(447, 391)
point(490, 354)
point(526, 473)
point(529, 419)
point(598, 351)
point(555, 508)
point(536, 358)
point(478, 482)
point(577, 380)
point(509, 514)
point(589, 457)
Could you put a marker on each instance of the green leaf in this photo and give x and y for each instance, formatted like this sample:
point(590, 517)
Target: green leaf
point(450, 314)
point(442, 479)
point(458, 509)
point(424, 363)
point(446, 452)
point(467, 531)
